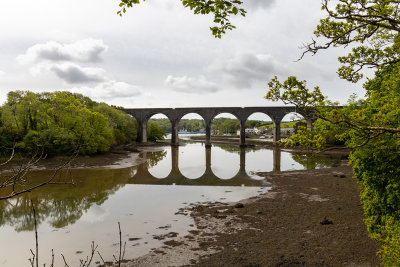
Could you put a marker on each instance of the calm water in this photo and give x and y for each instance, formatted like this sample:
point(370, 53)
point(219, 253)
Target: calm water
point(143, 198)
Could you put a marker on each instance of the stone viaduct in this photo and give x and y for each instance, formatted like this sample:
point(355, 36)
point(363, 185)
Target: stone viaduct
point(142, 115)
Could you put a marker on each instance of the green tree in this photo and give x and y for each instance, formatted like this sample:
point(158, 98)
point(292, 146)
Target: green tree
point(124, 128)
point(370, 127)
point(155, 132)
point(61, 122)
point(191, 125)
point(164, 123)
point(372, 28)
point(221, 9)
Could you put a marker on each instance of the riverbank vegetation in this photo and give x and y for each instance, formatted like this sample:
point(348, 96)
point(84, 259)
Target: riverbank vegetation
point(59, 123)
point(370, 127)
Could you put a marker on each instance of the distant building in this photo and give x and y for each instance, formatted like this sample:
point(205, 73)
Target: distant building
point(287, 131)
point(254, 131)
point(260, 130)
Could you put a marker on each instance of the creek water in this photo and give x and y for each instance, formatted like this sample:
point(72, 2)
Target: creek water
point(145, 199)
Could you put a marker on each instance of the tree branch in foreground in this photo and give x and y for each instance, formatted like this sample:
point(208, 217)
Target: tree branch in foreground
point(17, 181)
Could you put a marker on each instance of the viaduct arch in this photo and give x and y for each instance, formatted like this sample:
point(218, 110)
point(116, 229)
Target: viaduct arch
point(142, 115)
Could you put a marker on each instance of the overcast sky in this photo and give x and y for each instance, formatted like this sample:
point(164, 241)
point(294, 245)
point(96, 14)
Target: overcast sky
point(159, 54)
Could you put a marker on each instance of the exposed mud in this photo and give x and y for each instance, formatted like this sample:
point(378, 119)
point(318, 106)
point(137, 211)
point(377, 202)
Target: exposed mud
point(309, 218)
point(117, 158)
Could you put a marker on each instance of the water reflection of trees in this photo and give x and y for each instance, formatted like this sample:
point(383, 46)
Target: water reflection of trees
point(316, 161)
point(154, 157)
point(62, 205)
point(236, 149)
point(308, 160)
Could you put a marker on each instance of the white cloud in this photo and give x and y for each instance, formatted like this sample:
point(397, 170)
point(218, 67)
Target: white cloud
point(245, 68)
point(72, 73)
point(107, 90)
point(192, 85)
point(62, 60)
point(2, 73)
point(255, 4)
point(87, 50)
point(145, 55)
point(95, 214)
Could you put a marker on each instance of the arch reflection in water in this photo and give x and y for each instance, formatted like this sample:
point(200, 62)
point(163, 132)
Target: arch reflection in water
point(101, 198)
point(209, 176)
point(192, 162)
point(246, 163)
point(158, 163)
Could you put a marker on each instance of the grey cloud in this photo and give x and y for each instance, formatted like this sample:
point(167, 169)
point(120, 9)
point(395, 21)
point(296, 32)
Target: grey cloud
point(191, 85)
point(87, 50)
point(75, 74)
point(245, 68)
point(313, 69)
point(256, 4)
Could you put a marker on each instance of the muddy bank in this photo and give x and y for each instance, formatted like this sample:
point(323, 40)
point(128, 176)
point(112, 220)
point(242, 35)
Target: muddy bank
point(118, 157)
point(309, 218)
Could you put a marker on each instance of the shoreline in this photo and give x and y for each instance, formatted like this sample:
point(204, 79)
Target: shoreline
point(308, 218)
point(117, 158)
point(129, 156)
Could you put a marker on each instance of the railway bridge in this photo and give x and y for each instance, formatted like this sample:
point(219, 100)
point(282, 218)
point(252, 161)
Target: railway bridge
point(142, 115)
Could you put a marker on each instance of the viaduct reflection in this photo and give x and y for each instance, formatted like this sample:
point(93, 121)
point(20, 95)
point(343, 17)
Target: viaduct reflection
point(143, 176)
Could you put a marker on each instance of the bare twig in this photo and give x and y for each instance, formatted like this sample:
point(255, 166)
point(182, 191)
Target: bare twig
point(11, 157)
point(32, 261)
point(36, 234)
point(65, 262)
point(88, 261)
point(121, 252)
point(104, 263)
point(83, 262)
point(52, 258)
point(120, 244)
point(18, 178)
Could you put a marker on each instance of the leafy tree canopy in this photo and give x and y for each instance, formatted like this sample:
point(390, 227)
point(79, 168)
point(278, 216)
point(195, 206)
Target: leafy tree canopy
point(61, 122)
point(370, 127)
point(221, 9)
point(371, 27)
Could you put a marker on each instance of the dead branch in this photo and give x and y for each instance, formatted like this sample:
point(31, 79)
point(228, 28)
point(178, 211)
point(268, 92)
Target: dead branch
point(11, 156)
point(121, 253)
point(18, 178)
point(87, 262)
point(120, 244)
point(104, 263)
point(32, 261)
point(35, 255)
point(65, 262)
point(52, 258)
